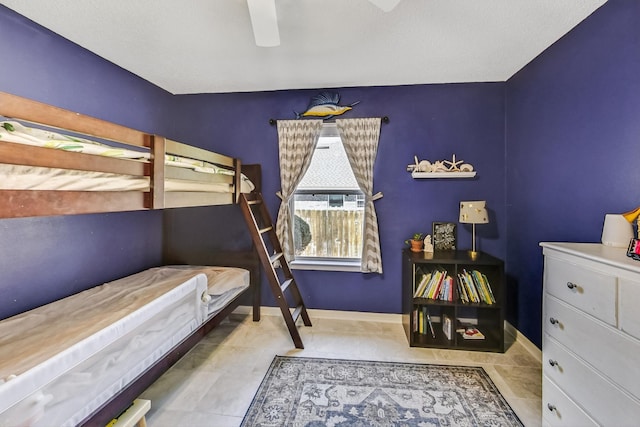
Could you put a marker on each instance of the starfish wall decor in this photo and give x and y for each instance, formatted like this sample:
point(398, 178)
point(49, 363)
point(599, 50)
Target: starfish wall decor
point(452, 165)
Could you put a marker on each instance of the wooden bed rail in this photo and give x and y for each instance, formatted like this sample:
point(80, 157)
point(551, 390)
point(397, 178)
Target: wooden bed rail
point(16, 107)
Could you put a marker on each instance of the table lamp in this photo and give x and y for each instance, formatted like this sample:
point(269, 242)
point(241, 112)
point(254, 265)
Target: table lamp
point(473, 212)
point(617, 231)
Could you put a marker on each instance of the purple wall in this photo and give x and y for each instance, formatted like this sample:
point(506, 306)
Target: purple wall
point(573, 145)
point(431, 121)
point(44, 259)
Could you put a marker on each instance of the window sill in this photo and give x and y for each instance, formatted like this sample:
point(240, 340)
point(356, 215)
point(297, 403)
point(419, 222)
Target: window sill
point(348, 266)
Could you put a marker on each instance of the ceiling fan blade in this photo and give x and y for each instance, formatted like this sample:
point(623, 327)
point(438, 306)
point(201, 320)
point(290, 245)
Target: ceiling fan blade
point(385, 5)
point(264, 22)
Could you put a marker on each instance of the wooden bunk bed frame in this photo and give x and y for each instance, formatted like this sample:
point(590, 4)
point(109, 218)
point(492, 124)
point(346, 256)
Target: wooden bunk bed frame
point(29, 203)
point(22, 203)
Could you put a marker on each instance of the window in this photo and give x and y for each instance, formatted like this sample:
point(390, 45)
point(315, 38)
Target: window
point(328, 209)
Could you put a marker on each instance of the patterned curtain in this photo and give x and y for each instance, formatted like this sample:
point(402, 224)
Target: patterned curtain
point(360, 140)
point(297, 140)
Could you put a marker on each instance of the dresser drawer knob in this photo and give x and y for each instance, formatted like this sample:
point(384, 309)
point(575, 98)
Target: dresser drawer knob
point(554, 321)
point(571, 285)
point(553, 362)
point(551, 407)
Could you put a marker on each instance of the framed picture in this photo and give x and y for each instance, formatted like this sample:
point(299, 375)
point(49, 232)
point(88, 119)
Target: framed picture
point(444, 236)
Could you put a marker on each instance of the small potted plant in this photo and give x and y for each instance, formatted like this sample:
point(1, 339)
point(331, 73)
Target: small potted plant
point(415, 242)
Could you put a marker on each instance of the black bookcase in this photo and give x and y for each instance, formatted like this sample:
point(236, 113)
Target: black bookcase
point(423, 318)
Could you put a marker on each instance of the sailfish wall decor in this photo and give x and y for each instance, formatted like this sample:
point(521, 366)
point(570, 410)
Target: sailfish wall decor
point(325, 106)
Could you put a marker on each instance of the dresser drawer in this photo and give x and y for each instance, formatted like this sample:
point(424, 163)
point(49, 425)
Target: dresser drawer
point(629, 317)
point(589, 290)
point(609, 405)
point(610, 351)
point(559, 410)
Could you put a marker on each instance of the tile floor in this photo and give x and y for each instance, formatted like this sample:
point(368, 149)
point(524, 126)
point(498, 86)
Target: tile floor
point(214, 383)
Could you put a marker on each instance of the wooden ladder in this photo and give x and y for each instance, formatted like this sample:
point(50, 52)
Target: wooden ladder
point(275, 265)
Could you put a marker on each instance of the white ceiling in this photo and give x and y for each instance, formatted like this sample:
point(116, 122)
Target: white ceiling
point(207, 46)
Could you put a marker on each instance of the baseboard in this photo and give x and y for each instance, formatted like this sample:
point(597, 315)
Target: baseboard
point(330, 314)
point(389, 318)
point(524, 341)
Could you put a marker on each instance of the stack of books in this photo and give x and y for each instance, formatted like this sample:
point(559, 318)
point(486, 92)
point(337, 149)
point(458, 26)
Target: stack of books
point(436, 285)
point(422, 322)
point(470, 332)
point(474, 287)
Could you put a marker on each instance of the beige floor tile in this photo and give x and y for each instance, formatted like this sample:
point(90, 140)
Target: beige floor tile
point(529, 410)
point(524, 382)
point(214, 384)
point(191, 419)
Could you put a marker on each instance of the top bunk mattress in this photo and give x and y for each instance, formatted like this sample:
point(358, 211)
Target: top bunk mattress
point(77, 335)
point(20, 177)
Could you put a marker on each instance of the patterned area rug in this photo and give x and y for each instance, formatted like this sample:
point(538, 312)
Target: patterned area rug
point(309, 392)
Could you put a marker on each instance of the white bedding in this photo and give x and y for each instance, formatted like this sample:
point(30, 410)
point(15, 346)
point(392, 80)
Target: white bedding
point(224, 284)
point(19, 177)
point(62, 361)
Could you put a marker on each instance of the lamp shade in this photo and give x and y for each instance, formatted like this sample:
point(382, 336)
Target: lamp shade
point(473, 212)
point(616, 231)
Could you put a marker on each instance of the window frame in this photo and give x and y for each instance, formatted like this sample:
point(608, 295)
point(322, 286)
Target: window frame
point(326, 263)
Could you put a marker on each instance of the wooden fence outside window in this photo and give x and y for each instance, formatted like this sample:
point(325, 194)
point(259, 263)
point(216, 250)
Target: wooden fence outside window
point(335, 233)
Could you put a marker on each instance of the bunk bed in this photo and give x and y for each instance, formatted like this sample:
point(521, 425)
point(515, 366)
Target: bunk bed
point(87, 368)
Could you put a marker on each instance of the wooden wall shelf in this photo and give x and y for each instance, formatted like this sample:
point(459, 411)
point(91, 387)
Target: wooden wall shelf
point(443, 174)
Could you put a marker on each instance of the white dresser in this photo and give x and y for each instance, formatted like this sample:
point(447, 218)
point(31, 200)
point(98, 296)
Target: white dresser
point(591, 336)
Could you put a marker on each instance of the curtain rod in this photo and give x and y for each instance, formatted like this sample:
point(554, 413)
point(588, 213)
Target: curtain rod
point(272, 122)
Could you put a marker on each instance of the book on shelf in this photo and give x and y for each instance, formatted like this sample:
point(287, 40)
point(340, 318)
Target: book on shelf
point(482, 285)
point(466, 286)
point(462, 292)
point(435, 285)
point(422, 285)
point(422, 323)
point(446, 290)
point(472, 334)
point(474, 287)
point(447, 326)
point(493, 298)
point(469, 332)
point(430, 324)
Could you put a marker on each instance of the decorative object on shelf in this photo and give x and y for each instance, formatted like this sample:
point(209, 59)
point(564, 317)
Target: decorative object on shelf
point(473, 212)
point(616, 231)
point(325, 106)
point(634, 215)
point(415, 242)
point(444, 236)
point(453, 165)
point(633, 251)
point(428, 246)
point(441, 168)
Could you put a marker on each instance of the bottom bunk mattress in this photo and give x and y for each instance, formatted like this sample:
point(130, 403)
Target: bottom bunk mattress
point(61, 362)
